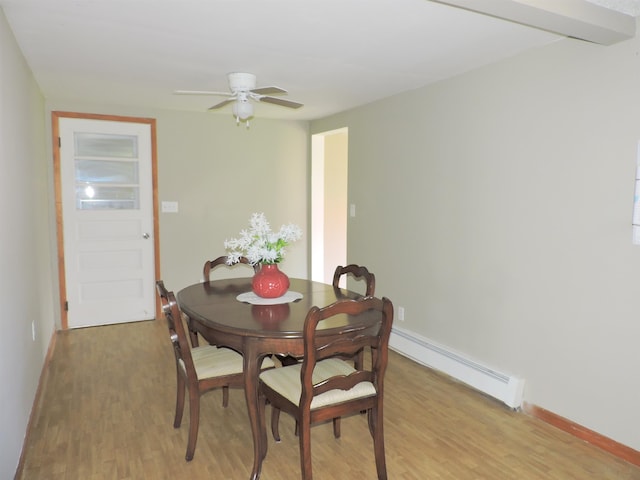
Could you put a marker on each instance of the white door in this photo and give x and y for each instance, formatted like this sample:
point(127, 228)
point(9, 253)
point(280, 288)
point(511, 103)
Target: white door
point(107, 213)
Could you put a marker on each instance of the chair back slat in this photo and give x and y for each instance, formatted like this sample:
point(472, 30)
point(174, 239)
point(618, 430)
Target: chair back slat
point(343, 382)
point(223, 260)
point(358, 272)
point(345, 346)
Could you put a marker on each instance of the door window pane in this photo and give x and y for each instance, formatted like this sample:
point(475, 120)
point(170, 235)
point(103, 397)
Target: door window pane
point(105, 145)
point(106, 172)
point(99, 197)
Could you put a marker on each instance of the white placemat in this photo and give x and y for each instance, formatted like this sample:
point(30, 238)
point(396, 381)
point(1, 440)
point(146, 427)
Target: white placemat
point(253, 299)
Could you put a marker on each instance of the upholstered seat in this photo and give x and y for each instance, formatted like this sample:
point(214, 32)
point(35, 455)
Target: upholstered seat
point(211, 361)
point(287, 382)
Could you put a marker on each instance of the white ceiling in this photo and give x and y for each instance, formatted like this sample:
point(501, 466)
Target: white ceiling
point(331, 55)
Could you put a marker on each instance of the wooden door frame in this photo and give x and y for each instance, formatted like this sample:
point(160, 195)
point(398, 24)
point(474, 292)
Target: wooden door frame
point(55, 128)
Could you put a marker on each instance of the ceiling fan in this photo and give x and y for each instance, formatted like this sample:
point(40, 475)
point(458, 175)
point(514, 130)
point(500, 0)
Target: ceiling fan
point(243, 89)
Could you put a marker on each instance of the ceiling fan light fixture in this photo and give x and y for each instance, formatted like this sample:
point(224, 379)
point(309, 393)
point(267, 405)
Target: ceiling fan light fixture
point(242, 110)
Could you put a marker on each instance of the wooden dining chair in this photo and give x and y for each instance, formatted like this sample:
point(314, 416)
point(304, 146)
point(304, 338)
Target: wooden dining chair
point(208, 267)
point(198, 370)
point(325, 387)
point(358, 272)
point(222, 260)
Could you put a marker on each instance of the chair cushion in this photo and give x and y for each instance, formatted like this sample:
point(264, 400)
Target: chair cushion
point(286, 381)
point(212, 361)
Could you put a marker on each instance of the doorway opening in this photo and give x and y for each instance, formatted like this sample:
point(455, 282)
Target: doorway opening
point(329, 199)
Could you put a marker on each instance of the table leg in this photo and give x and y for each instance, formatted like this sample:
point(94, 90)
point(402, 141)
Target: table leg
point(258, 432)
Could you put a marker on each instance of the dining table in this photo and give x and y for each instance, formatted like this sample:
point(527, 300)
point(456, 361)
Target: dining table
point(226, 313)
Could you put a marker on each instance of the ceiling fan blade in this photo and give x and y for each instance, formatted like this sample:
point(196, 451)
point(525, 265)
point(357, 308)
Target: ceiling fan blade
point(269, 90)
point(222, 103)
point(201, 92)
point(281, 101)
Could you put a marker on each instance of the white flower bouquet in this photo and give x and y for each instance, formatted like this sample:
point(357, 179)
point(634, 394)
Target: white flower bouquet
point(259, 244)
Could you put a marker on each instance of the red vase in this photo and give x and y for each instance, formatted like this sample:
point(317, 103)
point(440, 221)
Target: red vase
point(270, 282)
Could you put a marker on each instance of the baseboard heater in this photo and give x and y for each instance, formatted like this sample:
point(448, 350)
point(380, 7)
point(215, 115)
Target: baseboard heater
point(506, 388)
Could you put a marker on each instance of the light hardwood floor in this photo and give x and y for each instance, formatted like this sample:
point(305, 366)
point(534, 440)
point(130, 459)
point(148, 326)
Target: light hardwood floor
point(107, 404)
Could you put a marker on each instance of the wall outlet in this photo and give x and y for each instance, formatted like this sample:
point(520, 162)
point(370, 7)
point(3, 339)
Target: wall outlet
point(401, 314)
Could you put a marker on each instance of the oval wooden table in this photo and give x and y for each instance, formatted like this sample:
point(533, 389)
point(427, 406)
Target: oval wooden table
point(260, 330)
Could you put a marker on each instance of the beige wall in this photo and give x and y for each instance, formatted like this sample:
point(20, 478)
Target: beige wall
point(496, 208)
point(25, 258)
point(220, 173)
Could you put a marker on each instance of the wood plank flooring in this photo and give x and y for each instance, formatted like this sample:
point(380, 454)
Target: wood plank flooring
point(107, 403)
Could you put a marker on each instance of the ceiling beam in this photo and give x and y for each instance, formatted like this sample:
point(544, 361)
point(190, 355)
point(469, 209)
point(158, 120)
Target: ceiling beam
point(572, 18)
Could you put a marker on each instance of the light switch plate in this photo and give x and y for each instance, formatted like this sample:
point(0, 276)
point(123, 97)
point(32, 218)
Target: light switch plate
point(169, 207)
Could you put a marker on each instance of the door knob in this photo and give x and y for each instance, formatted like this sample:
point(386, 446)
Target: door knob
point(145, 236)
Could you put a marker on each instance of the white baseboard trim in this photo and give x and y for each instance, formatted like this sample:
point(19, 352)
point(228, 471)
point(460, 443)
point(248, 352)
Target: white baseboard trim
point(506, 388)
